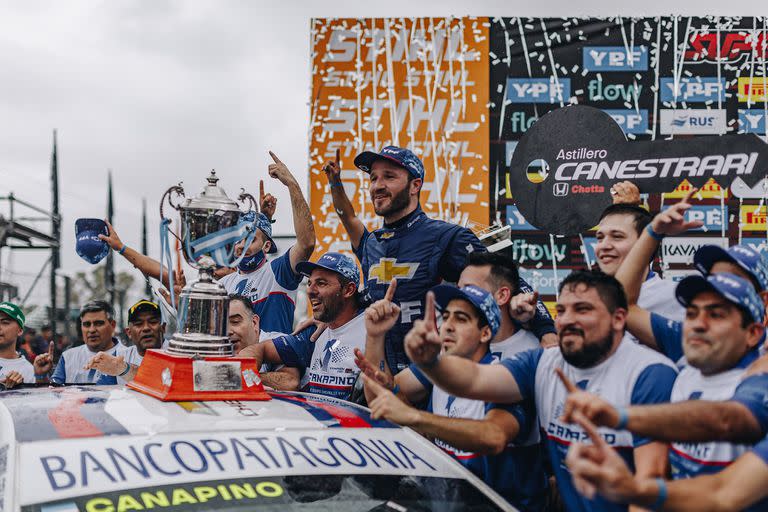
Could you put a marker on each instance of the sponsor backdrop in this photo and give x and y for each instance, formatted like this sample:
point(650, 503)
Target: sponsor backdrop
point(462, 92)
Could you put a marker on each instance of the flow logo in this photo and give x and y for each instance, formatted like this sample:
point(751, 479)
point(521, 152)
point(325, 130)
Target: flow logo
point(538, 90)
point(630, 120)
point(615, 58)
point(692, 122)
point(693, 89)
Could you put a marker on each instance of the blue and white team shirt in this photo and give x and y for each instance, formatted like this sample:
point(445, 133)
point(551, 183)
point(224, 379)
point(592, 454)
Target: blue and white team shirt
point(20, 365)
point(517, 473)
point(70, 370)
point(328, 364)
point(689, 460)
point(632, 375)
point(272, 291)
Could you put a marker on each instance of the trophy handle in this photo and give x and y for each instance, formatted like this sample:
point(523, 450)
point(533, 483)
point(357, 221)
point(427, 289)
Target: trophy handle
point(245, 196)
point(176, 190)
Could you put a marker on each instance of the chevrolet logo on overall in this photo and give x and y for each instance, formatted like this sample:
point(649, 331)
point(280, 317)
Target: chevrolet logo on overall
point(387, 268)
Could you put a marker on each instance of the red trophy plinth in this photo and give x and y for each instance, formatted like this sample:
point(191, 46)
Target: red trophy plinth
point(175, 378)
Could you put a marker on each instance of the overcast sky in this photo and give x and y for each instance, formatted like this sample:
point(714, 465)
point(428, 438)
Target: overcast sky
point(162, 91)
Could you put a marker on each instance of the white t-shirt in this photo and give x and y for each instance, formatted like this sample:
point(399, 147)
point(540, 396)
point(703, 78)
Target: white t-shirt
point(657, 295)
point(70, 367)
point(20, 365)
point(521, 341)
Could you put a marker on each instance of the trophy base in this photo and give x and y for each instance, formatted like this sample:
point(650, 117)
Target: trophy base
point(174, 378)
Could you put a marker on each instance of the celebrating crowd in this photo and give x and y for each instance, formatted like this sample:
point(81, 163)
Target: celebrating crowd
point(642, 392)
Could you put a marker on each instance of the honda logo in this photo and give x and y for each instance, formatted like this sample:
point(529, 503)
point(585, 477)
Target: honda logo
point(560, 189)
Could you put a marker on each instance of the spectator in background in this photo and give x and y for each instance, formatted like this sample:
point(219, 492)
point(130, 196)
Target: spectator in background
point(26, 344)
point(146, 330)
point(45, 338)
point(97, 325)
point(618, 231)
point(14, 369)
point(417, 251)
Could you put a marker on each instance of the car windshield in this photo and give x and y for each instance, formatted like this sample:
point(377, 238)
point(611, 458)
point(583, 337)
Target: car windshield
point(338, 493)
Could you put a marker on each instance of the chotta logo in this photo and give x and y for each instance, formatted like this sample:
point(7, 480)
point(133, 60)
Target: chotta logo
point(592, 189)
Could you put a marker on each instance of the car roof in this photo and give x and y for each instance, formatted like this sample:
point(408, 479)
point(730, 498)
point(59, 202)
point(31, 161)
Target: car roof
point(44, 414)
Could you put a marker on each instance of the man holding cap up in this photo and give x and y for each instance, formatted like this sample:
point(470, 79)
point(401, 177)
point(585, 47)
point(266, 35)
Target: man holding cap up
point(14, 369)
point(325, 358)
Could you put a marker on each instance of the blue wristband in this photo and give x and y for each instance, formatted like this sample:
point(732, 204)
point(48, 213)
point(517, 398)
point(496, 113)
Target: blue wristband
point(122, 250)
point(335, 184)
point(396, 389)
point(623, 418)
point(663, 493)
point(125, 372)
point(656, 236)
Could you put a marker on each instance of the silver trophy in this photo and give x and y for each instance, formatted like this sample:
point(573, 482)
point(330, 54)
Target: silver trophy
point(211, 225)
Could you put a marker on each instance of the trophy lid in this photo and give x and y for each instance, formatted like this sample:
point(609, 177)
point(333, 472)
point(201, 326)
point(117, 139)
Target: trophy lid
point(212, 197)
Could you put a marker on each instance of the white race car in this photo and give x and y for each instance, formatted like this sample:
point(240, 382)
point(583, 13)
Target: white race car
point(110, 449)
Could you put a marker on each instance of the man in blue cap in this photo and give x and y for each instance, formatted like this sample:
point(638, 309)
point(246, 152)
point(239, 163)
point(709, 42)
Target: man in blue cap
point(270, 285)
point(418, 251)
point(722, 329)
point(324, 357)
point(481, 436)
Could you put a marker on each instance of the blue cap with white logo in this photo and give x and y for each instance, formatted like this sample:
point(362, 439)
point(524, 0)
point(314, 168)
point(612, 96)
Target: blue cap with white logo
point(263, 223)
point(88, 245)
point(335, 262)
point(733, 288)
point(745, 257)
point(401, 156)
point(481, 299)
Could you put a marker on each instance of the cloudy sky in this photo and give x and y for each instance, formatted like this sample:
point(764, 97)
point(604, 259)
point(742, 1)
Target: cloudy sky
point(161, 91)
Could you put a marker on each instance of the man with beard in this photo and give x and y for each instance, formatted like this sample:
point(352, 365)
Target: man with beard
point(591, 313)
point(146, 330)
point(722, 328)
point(417, 251)
point(97, 324)
point(270, 285)
point(325, 359)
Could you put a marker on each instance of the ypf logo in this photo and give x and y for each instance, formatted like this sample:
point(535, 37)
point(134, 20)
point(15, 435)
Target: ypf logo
point(560, 189)
point(538, 90)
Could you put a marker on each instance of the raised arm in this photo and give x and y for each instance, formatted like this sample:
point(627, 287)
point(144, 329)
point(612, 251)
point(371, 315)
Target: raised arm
point(689, 421)
point(146, 265)
point(485, 437)
point(456, 375)
point(342, 204)
point(598, 468)
point(302, 218)
point(630, 274)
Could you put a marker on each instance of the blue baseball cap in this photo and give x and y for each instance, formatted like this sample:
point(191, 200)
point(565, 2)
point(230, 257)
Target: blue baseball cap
point(481, 299)
point(335, 262)
point(88, 245)
point(401, 156)
point(745, 257)
point(733, 288)
point(263, 223)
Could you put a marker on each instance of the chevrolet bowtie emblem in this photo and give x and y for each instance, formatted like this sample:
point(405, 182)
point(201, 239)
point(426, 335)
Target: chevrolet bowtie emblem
point(387, 268)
